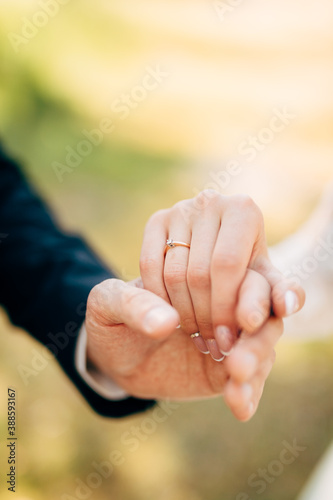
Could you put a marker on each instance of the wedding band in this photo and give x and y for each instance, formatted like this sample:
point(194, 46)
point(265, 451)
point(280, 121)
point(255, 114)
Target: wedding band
point(172, 244)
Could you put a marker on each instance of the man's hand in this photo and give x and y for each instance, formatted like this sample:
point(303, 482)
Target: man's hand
point(222, 285)
point(133, 338)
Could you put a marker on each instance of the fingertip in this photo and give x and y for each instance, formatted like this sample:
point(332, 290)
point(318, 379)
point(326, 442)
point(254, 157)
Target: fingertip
point(238, 398)
point(160, 321)
point(287, 302)
point(291, 303)
point(281, 285)
point(301, 296)
point(247, 414)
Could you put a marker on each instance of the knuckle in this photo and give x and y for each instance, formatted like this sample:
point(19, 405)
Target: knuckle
point(208, 194)
point(175, 275)
point(157, 217)
point(180, 206)
point(101, 293)
point(199, 277)
point(189, 324)
point(247, 204)
point(207, 197)
point(101, 289)
point(130, 300)
point(244, 200)
point(183, 209)
point(225, 261)
point(148, 264)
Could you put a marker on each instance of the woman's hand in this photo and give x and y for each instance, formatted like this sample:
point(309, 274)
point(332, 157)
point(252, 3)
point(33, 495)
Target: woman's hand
point(224, 283)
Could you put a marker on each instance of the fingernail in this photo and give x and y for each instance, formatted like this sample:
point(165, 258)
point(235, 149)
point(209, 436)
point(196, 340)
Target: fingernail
point(156, 318)
point(291, 302)
point(214, 350)
point(199, 343)
point(225, 339)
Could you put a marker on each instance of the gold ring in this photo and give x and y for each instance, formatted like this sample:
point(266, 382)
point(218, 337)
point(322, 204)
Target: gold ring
point(173, 244)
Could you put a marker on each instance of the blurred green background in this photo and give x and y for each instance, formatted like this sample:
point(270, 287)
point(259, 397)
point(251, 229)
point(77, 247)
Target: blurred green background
point(226, 75)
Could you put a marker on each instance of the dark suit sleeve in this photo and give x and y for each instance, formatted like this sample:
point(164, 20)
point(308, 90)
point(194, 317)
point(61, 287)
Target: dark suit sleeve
point(45, 280)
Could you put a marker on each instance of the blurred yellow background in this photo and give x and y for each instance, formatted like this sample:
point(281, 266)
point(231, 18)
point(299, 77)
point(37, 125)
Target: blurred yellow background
point(219, 73)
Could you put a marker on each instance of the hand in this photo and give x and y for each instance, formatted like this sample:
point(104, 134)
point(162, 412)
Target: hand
point(227, 259)
point(133, 338)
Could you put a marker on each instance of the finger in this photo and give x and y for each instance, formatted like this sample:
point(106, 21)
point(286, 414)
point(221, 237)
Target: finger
point(204, 235)
point(152, 254)
point(288, 297)
point(238, 398)
point(240, 230)
point(252, 310)
point(114, 302)
point(175, 273)
point(252, 351)
point(254, 302)
point(243, 399)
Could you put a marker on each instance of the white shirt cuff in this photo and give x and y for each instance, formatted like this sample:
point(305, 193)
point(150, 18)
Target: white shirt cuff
point(100, 383)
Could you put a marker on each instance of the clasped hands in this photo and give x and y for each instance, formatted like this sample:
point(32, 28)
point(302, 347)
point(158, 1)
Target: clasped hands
point(223, 287)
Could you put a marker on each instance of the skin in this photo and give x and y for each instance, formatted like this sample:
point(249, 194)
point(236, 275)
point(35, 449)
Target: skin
point(225, 278)
point(164, 364)
point(227, 239)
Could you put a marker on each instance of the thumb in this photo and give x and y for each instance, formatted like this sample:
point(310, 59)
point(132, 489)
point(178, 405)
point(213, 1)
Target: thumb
point(114, 302)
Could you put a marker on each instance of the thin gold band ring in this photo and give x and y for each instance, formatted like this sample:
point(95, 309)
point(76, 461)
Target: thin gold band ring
point(172, 244)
